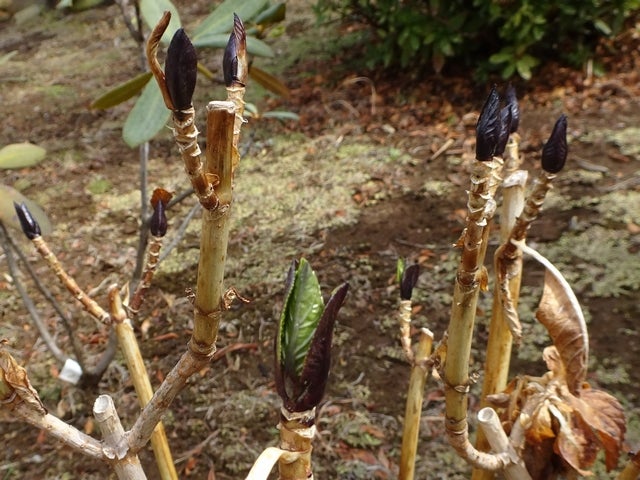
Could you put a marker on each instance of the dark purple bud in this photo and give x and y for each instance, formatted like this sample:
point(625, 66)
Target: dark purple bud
point(181, 69)
point(512, 103)
point(554, 152)
point(158, 222)
point(315, 373)
point(29, 225)
point(408, 281)
point(488, 127)
point(505, 130)
point(234, 63)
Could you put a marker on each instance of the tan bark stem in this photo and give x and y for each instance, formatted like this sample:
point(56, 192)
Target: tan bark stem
point(126, 466)
point(140, 378)
point(297, 430)
point(70, 284)
point(413, 408)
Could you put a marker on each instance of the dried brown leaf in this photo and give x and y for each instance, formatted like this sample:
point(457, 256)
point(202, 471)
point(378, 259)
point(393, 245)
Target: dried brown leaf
point(561, 315)
point(603, 415)
point(15, 378)
point(575, 443)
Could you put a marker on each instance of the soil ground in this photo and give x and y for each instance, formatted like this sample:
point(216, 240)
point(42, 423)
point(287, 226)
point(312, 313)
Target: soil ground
point(352, 186)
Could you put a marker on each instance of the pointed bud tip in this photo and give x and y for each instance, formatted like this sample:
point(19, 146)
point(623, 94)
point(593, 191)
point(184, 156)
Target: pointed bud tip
point(181, 69)
point(28, 224)
point(488, 127)
point(409, 281)
point(234, 63)
point(554, 152)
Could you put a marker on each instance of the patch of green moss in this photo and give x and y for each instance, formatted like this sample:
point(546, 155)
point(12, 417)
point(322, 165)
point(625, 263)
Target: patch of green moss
point(626, 139)
point(596, 262)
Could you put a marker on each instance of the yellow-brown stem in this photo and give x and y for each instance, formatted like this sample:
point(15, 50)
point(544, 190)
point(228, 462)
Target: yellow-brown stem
point(209, 302)
point(413, 409)
point(235, 94)
point(297, 430)
point(141, 383)
point(88, 303)
point(632, 468)
point(404, 316)
point(466, 289)
point(185, 134)
point(149, 270)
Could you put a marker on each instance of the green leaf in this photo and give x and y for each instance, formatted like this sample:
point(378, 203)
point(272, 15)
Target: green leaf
point(299, 319)
point(122, 92)
point(221, 19)
point(602, 26)
point(152, 11)
point(219, 40)
point(501, 57)
point(147, 117)
point(400, 265)
point(20, 155)
point(268, 81)
point(281, 115)
point(274, 14)
point(8, 216)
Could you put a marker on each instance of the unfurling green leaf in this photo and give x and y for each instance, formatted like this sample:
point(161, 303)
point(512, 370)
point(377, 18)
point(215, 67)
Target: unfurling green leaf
point(554, 152)
point(123, 92)
point(303, 342)
point(20, 155)
point(300, 318)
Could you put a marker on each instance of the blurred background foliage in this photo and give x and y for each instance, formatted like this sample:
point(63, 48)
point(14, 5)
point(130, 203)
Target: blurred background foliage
point(507, 37)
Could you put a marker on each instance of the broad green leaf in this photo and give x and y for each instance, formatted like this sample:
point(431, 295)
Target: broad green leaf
point(602, 27)
point(274, 14)
point(281, 115)
point(220, 40)
point(147, 117)
point(221, 19)
point(300, 318)
point(122, 93)
point(8, 216)
point(20, 155)
point(268, 81)
point(152, 11)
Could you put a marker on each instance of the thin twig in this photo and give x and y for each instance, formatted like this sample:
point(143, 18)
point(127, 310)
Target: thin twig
point(26, 299)
point(180, 232)
point(77, 350)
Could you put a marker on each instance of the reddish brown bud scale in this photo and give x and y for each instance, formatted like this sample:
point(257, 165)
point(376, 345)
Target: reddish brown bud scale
point(181, 69)
point(29, 224)
point(158, 222)
point(554, 152)
point(488, 127)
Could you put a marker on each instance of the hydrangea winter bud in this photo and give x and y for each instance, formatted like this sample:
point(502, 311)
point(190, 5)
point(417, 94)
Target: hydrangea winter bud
point(234, 60)
point(514, 107)
point(181, 69)
point(29, 225)
point(488, 127)
point(554, 152)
